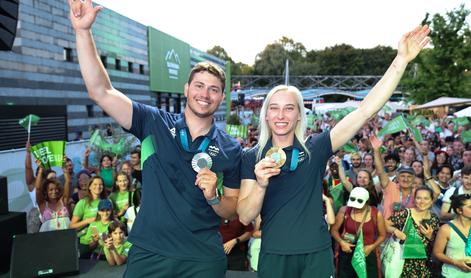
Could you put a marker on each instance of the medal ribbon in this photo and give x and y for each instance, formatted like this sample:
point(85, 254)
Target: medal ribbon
point(184, 140)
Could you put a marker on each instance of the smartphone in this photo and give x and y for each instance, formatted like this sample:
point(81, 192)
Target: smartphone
point(104, 237)
point(426, 222)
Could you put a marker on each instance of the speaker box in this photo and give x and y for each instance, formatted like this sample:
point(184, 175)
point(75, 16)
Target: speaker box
point(3, 195)
point(13, 223)
point(45, 254)
point(8, 22)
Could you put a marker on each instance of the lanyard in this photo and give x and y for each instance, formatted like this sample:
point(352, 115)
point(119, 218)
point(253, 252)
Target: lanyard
point(184, 140)
point(294, 160)
point(407, 198)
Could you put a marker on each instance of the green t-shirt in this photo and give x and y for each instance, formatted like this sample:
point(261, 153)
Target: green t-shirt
point(120, 199)
point(107, 175)
point(85, 210)
point(122, 250)
point(97, 226)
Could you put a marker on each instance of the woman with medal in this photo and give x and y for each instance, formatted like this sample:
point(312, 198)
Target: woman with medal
point(288, 194)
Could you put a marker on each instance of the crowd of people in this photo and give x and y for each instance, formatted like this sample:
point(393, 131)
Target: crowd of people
point(288, 202)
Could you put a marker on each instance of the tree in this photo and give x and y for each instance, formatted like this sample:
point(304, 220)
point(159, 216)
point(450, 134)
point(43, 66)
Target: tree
point(236, 68)
point(272, 60)
point(444, 69)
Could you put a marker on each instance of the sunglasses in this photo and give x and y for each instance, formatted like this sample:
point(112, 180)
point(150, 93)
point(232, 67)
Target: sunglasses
point(353, 199)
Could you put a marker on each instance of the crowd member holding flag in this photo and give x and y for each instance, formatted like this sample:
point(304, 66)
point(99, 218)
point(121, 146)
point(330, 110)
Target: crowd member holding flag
point(454, 237)
point(400, 195)
point(282, 175)
point(53, 199)
point(176, 231)
point(420, 227)
point(358, 217)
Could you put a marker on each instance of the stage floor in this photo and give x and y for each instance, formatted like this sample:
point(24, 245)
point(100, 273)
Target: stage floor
point(93, 269)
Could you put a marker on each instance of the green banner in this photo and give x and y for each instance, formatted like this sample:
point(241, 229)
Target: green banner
point(169, 62)
point(420, 120)
point(337, 194)
point(51, 153)
point(350, 148)
point(415, 131)
point(359, 259)
point(395, 125)
point(29, 121)
point(413, 246)
point(101, 143)
point(237, 131)
point(466, 136)
point(461, 121)
point(148, 148)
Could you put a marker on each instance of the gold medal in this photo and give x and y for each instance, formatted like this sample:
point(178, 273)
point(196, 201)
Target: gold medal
point(277, 154)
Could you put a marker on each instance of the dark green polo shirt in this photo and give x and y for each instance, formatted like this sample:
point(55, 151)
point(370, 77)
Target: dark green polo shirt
point(174, 219)
point(292, 213)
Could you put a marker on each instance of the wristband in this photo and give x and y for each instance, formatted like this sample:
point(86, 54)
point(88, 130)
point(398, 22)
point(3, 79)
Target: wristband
point(214, 201)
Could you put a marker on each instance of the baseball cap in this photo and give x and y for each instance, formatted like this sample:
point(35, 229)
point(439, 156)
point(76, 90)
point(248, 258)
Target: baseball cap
point(105, 204)
point(405, 169)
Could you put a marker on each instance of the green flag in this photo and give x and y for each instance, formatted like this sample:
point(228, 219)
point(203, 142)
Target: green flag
point(119, 148)
point(148, 148)
point(466, 136)
point(237, 131)
point(413, 246)
point(350, 148)
point(420, 119)
point(51, 153)
point(337, 194)
point(29, 121)
point(395, 125)
point(311, 119)
point(461, 121)
point(416, 133)
point(359, 259)
point(96, 138)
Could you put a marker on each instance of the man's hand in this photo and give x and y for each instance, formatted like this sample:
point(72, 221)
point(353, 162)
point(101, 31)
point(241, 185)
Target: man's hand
point(83, 14)
point(206, 180)
point(412, 43)
point(264, 170)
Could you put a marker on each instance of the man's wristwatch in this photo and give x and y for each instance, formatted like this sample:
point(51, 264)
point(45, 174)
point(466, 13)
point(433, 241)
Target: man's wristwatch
point(237, 240)
point(214, 201)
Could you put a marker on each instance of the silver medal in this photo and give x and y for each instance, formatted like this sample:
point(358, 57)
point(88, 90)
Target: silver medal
point(201, 161)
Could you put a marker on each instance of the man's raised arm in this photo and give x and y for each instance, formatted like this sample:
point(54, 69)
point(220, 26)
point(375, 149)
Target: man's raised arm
point(410, 45)
point(97, 81)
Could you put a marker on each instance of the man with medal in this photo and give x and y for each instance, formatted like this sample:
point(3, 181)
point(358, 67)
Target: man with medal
point(190, 167)
point(282, 175)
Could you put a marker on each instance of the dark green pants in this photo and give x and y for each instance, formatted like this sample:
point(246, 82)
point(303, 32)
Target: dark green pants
point(143, 263)
point(318, 264)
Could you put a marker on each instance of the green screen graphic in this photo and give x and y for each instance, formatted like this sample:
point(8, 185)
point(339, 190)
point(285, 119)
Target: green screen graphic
point(169, 62)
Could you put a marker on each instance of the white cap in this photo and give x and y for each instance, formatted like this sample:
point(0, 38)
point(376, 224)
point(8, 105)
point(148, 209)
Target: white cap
point(358, 198)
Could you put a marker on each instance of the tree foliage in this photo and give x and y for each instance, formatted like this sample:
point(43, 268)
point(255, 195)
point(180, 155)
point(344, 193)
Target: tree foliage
point(236, 68)
point(443, 70)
